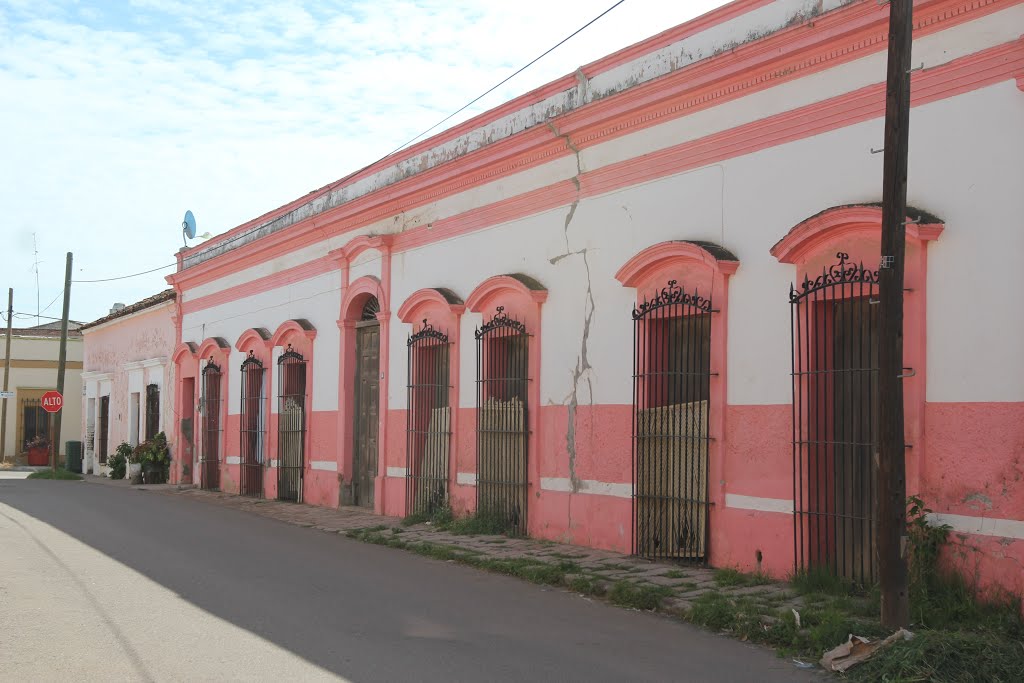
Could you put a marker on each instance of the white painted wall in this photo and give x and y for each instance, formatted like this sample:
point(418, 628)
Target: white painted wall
point(965, 167)
point(317, 299)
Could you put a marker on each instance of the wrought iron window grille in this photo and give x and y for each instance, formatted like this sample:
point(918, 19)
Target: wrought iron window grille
point(251, 428)
point(835, 419)
point(291, 425)
point(428, 420)
point(209, 456)
point(503, 379)
point(671, 419)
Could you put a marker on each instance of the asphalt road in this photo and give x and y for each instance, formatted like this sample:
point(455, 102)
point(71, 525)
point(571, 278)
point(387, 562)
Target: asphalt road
point(101, 583)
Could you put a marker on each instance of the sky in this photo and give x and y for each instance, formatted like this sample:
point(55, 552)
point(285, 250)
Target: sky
point(116, 117)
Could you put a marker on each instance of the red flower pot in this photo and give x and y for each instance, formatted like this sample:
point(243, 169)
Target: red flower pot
point(39, 455)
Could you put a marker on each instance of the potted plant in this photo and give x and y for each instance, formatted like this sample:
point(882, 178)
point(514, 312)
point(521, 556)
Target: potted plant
point(133, 457)
point(38, 448)
point(155, 457)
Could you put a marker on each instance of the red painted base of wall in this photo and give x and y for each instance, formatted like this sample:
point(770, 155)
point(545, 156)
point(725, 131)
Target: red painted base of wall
point(971, 463)
point(737, 536)
point(583, 519)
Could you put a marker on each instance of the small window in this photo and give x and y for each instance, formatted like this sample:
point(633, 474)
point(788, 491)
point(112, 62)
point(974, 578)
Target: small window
point(104, 428)
point(152, 411)
point(370, 309)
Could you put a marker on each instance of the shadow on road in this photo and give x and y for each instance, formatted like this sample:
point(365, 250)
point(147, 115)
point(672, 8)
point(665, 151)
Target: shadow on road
point(371, 613)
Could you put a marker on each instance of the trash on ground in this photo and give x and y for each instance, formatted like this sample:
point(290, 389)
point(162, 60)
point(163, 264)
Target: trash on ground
point(858, 649)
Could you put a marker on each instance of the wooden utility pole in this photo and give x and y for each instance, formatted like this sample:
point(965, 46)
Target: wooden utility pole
point(7, 375)
point(892, 482)
point(62, 359)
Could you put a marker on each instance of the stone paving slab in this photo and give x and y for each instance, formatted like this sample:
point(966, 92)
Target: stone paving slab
point(686, 582)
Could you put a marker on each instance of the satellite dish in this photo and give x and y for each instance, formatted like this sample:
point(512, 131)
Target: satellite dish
point(188, 226)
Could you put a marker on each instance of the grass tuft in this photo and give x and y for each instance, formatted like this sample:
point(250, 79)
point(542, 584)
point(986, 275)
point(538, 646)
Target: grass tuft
point(713, 610)
point(61, 474)
point(727, 578)
point(478, 525)
point(945, 656)
point(587, 585)
point(820, 580)
point(645, 597)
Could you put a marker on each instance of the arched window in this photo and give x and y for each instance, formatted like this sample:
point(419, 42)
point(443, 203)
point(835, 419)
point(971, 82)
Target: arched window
point(431, 417)
point(678, 359)
point(835, 379)
point(428, 429)
point(370, 309)
point(251, 420)
point(291, 424)
point(209, 465)
point(507, 394)
point(502, 381)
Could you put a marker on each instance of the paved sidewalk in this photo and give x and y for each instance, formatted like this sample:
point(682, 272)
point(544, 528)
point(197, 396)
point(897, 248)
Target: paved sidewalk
point(598, 572)
point(126, 484)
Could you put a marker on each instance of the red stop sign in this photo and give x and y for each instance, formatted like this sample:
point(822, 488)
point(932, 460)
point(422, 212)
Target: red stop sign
point(52, 401)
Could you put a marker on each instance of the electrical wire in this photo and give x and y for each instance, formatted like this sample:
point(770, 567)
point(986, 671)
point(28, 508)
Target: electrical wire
point(47, 307)
point(125, 277)
point(406, 144)
point(504, 81)
point(19, 314)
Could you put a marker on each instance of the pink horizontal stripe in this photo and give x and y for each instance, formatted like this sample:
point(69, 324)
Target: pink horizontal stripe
point(259, 285)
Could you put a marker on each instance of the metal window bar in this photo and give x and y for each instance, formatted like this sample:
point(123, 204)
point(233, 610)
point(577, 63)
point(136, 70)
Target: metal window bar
point(152, 411)
point(428, 421)
point(502, 379)
point(291, 425)
point(250, 461)
point(104, 428)
point(35, 421)
point(209, 462)
point(835, 420)
point(671, 417)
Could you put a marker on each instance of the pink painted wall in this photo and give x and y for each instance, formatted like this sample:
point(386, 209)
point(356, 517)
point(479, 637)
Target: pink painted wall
point(108, 348)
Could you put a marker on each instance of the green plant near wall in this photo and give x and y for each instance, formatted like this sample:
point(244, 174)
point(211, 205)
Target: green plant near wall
point(119, 460)
point(155, 457)
point(925, 541)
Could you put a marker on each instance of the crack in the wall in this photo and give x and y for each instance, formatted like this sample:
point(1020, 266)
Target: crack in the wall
point(582, 362)
point(582, 366)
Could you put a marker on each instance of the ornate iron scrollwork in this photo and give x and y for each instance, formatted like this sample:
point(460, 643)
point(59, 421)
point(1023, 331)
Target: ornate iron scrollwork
point(672, 295)
point(427, 331)
point(251, 361)
point(211, 366)
point(500, 320)
point(839, 273)
point(290, 354)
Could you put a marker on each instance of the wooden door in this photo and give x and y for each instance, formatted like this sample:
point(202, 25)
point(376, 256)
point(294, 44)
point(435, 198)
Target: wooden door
point(366, 390)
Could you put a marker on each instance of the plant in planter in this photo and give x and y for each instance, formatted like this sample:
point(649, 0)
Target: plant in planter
point(134, 458)
point(118, 460)
point(155, 457)
point(38, 448)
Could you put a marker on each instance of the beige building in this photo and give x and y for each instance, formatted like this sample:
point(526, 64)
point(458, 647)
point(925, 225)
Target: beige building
point(34, 354)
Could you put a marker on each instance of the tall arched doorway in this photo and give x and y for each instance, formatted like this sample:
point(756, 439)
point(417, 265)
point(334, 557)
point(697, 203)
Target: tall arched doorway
point(366, 400)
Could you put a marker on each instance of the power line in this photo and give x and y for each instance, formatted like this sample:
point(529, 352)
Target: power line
point(19, 314)
point(47, 307)
point(506, 80)
point(125, 277)
point(403, 146)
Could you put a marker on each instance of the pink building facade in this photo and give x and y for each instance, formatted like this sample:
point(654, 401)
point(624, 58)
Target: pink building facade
point(632, 309)
point(128, 380)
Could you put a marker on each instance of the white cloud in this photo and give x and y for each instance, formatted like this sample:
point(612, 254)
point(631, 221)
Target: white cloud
point(117, 119)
